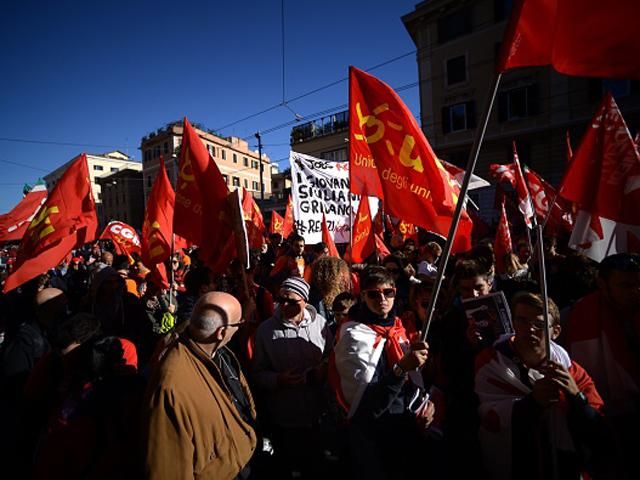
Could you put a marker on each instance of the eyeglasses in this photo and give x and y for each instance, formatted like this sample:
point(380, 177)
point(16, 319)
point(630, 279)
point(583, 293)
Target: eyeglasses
point(287, 301)
point(374, 293)
point(537, 325)
point(237, 324)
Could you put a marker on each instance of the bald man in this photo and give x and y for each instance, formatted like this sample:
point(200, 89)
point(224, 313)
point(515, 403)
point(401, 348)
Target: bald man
point(199, 414)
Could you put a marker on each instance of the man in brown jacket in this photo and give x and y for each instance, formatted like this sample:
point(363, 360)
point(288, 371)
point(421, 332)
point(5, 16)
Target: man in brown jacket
point(199, 410)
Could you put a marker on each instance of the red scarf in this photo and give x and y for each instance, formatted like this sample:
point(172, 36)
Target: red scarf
point(395, 335)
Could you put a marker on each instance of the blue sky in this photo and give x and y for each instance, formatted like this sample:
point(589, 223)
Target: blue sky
point(107, 73)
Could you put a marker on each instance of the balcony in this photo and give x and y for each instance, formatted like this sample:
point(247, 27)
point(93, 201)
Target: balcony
point(321, 127)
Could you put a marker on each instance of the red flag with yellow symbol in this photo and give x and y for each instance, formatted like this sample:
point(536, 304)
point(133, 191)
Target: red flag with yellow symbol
point(415, 186)
point(363, 240)
point(288, 226)
point(407, 230)
point(67, 220)
point(157, 228)
point(327, 239)
point(201, 213)
point(277, 223)
point(253, 220)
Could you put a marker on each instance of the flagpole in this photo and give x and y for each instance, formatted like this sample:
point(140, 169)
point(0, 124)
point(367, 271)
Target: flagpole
point(173, 242)
point(471, 165)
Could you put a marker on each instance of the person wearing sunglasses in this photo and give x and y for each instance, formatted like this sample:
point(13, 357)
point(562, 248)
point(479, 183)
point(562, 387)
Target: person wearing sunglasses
point(289, 371)
point(378, 384)
point(529, 404)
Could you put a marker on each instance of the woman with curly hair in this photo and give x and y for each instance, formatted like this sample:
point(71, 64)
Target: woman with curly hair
point(330, 276)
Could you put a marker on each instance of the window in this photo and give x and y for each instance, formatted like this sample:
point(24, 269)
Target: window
point(114, 169)
point(339, 155)
point(235, 158)
point(245, 161)
point(502, 9)
point(99, 196)
point(255, 185)
point(618, 88)
point(453, 26)
point(254, 164)
point(213, 151)
point(165, 147)
point(517, 103)
point(458, 117)
point(226, 179)
point(456, 70)
point(224, 154)
point(236, 181)
point(246, 183)
point(149, 181)
point(98, 167)
point(459, 158)
point(147, 155)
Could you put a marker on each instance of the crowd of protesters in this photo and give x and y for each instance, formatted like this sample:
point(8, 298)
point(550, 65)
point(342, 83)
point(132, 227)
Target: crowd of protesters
point(307, 366)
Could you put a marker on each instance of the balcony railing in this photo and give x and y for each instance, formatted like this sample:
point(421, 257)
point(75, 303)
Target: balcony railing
point(321, 127)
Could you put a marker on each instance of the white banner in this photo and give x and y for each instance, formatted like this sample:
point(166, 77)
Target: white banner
point(322, 186)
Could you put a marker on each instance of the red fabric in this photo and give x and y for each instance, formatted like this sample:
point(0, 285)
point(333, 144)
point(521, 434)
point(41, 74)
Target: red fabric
point(129, 353)
point(542, 194)
point(603, 176)
point(124, 238)
point(287, 226)
point(328, 239)
point(14, 224)
point(253, 220)
point(381, 248)
point(524, 200)
point(201, 209)
point(414, 185)
point(577, 37)
point(363, 240)
point(585, 385)
point(157, 229)
point(67, 220)
point(277, 222)
point(407, 230)
point(502, 245)
point(395, 336)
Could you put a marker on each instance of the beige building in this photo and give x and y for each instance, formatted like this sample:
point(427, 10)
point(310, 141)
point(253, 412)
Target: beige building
point(458, 43)
point(122, 197)
point(326, 137)
point(239, 165)
point(99, 165)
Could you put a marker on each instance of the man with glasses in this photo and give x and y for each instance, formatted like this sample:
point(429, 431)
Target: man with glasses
point(289, 368)
point(199, 413)
point(378, 384)
point(530, 405)
point(603, 334)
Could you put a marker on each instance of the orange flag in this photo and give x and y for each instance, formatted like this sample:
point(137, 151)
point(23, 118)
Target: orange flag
point(415, 185)
point(157, 229)
point(277, 223)
point(67, 220)
point(201, 214)
point(327, 239)
point(288, 227)
point(363, 241)
point(253, 220)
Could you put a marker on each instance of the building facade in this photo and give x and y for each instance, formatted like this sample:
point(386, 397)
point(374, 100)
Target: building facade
point(99, 165)
point(123, 197)
point(326, 137)
point(458, 43)
point(239, 165)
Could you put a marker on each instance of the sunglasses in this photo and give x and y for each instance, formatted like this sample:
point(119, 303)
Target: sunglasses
point(287, 301)
point(374, 293)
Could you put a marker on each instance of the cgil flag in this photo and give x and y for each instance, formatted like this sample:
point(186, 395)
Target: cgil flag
point(588, 38)
point(14, 224)
point(124, 238)
point(66, 220)
point(411, 180)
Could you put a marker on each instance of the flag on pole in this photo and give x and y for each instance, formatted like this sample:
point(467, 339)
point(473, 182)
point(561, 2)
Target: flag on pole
point(288, 226)
point(66, 220)
point(327, 239)
point(363, 240)
point(603, 180)
point(588, 38)
point(415, 186)
point(124, 238)
point(503, 244)
point(14, 224)
point(525, 205)
point(253, 219)
point(277, 223)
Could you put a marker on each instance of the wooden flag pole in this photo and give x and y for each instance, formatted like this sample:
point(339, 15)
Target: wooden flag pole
point(173, 242)
point(471, 165)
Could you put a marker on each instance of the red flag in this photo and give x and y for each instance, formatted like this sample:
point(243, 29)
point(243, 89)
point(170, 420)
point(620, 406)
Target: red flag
point(524, 200)
point(327, 239)
point(277, 223)
point(415, 185)
point(15, 223)
point(407, 230)
point(124, 238)
point(201, 209)
point(604, 181)
point(287, 228)
point(67, 220)
point(503, 173)
point(363, 240)
point(503, 244)
point(577, 37)
point(381, 248)
point(542, 194)
point(253, 219)
point(157, 228)
point(378, 222)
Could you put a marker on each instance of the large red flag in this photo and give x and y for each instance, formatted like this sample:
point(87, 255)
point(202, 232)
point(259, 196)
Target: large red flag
point(253, 219)
point(157, 229)
point(277, 223)
point(124, 238)
point(288, 226)
point(604, 181)
point(15, 223)
point(577, 37)
point(415, 185)
point(201, 214)
point(503, 244)
point(67, 220)
point(363, 242)
point(327, 239)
